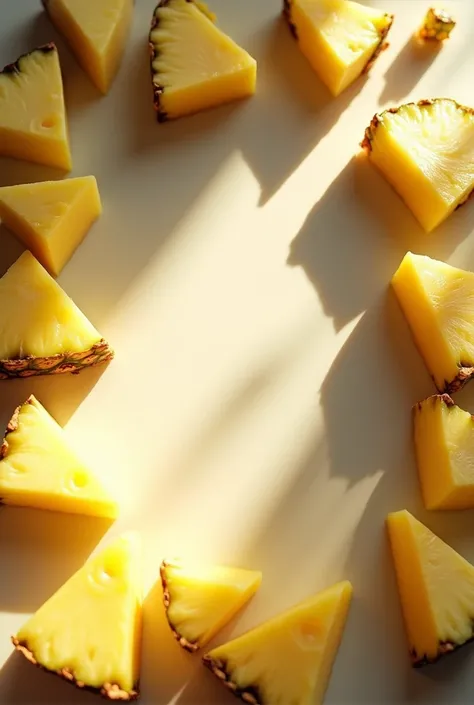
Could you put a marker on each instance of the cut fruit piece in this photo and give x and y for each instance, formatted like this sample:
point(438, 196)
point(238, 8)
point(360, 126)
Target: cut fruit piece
point(438, 25)
point(341, 39)
point(42, 331)
point(201, 600)
point(287, 660)
point(32, 112)
point(425, 150)
point(438, 303)
point(444, 443)
point(436, 588)
point(97, 33)
point(38, 468)
point(89, 631)
point(194, 65)
point(52, 217)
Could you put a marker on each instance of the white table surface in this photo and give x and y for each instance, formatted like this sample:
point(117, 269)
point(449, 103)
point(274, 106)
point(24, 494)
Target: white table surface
point(258, 410)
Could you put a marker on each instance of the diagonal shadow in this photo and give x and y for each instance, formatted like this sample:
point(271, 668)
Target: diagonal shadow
point(407, 69)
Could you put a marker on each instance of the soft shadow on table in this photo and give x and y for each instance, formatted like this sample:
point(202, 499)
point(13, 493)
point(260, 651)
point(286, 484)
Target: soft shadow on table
point(408, 68)
point(39, 551)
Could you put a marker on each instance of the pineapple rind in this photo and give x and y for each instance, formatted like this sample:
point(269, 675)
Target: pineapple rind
point(437, 26)
point(192, 647)
point(62, 363)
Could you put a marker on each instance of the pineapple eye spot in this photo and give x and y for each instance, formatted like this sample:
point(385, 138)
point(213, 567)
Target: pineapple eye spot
point(50, 121)
point(79, 480)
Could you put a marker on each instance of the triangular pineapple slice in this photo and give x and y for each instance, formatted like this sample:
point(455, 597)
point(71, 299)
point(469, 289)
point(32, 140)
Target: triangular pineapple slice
point(38, 468)
point(287, 660)
point(97, 32)
point(42, 331)
point(89, 631)
point(32, 112)
point(51, 217)
point(194, 65)
point(436, 588)
point(444, 442)
point(425, 150)
point(201, 600)
point(438, 303)
point(341, 39)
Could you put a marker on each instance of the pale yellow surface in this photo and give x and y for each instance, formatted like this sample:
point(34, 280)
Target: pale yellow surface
point(33, 124)
point(92, 624)
point(97, 31)
point(338, 37)
point(198, 66)
point(435, 584)
point(258, 410)
point(290, 657)
point(444, 441)
point(42, 470)
point(51, 217)
point(36, 315)
point(203, 599)
point(427, 154)
point(438, 302)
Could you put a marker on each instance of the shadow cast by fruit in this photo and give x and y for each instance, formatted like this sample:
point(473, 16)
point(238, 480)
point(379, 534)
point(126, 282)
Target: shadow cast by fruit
point(407, 69)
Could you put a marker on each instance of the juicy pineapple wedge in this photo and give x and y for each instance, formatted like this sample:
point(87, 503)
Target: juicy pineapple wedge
point(425, 150)
point(201, 600)
point(436, 587)
point(32, 111)
point(89, 631)
point(51, 217)
point(42, 331)
point(287, 660)
point(438, 303)
point(341, 39)
point(444, 443)
point(194, 65)
point(97, 32)
point(38, 468)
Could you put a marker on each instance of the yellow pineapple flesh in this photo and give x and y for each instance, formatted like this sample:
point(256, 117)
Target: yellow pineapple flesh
point(436, 587)
point(437, 25)
point(42, 331)
point(425, 150)
point(287, 660)
point(438, 302)
point(195, 66)
point(32, 111)
point(97, 32)
point(341, 39)
point(38, 468)
point(89, 631)
point(201, 600)
point(51, 217)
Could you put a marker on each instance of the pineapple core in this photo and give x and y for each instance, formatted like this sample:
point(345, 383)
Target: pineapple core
point(195, 66)
point(89, 631)
point(32, 111)
point(438, 303)
point(201, 600)
point(341, 39)
point(97, 32)
point(444, 443)
point(425, 151)
point(436, 587)
point(39, 469)
point(287, 660)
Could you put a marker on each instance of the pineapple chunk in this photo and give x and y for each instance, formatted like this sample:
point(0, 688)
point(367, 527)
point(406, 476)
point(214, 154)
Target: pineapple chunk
point(42, 331)
point(438, 25)
point(200, 600)
point(51, 217)
point(341, 39)
point(97, 32)
point(39, 469)
point(195, 66)
point(89, 631)
point(287, 660)
point(425, 150)
point(32, 111)
point(436, 587)
point(444, 442)
point(438, 303)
